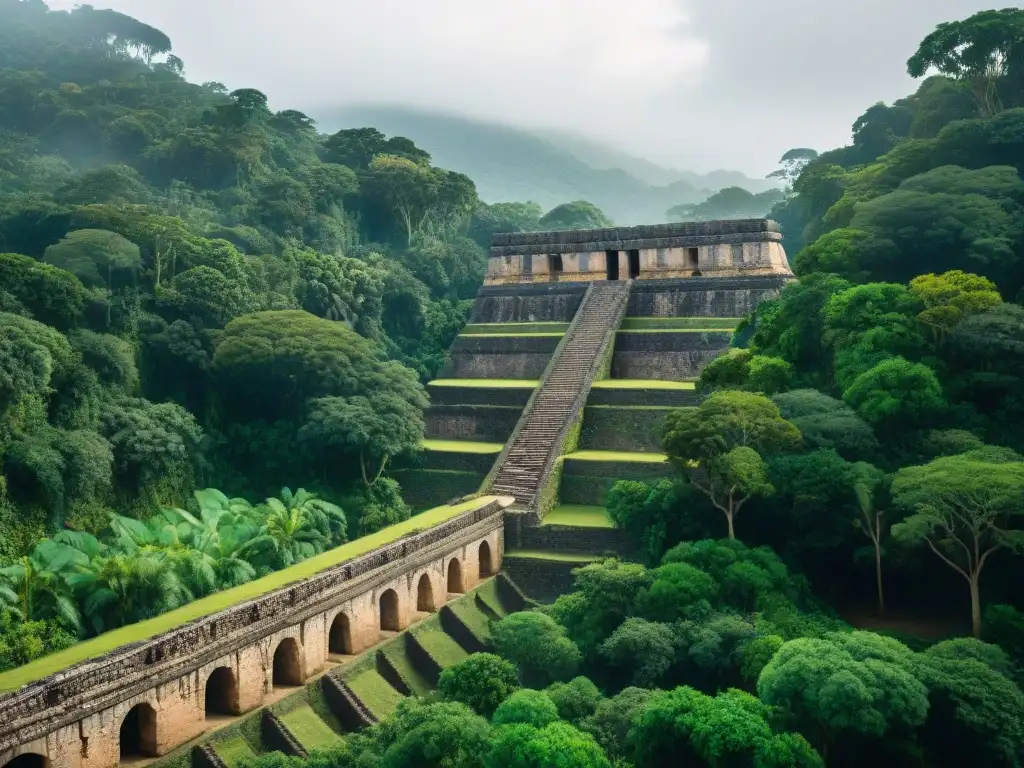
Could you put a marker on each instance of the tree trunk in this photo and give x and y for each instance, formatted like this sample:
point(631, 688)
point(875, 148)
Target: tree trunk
point(732, 531)
point(975, 607)
point(878, 562)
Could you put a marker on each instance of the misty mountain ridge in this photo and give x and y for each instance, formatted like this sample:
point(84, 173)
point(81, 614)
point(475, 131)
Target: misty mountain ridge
point(508, 163)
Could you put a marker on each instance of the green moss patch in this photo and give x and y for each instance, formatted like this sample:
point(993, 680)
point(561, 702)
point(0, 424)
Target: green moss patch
point(461, 446)
point(375, 693)
point(513, 335)
point(476, 329)
point(579, 516)
point(642, 384)
point(234, 751)
point(310, 731)
point(441, 647)
point(150, 628)
point(646, 458)
point(560, 557)
point(509, 383)
point(680, 323)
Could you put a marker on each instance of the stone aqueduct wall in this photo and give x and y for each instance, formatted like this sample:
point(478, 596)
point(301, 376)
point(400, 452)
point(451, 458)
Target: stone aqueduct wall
point(73, 719)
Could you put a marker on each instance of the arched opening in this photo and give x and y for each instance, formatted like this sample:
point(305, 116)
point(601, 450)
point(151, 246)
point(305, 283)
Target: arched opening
point(222, 693)
point(455, 576)
point(486, 568)
point(425, 595)
point(389, 611)
point(138, 732)
point(287, 663)
point(340, 639)
point(28, 760)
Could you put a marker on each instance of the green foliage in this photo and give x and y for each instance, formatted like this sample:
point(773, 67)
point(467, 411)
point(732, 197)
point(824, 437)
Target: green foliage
point(537, 646)
point(575, 700)
point(481, 681)
point(50, 295)
point(558, 745)
point(527, 707)
point(578, 214)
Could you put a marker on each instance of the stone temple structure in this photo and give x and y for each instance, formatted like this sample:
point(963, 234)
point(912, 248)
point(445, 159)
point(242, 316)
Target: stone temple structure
point(732, 248)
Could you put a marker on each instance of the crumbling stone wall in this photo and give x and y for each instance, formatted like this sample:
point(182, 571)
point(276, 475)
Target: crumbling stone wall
point(486, 423)
point(73, 718)
point(521, 303)
point(702, 296)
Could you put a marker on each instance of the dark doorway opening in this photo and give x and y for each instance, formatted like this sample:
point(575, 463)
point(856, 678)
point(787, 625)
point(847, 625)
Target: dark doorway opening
point(28, 760)
point(485, 560)
point(221, 693)
point(455, 577)
point(340, 639)
point(634, 265)
point(287, 663)
point(554, 265)
point(138, 732)
point(612, 261)
point(389, 611)
point(691, 258)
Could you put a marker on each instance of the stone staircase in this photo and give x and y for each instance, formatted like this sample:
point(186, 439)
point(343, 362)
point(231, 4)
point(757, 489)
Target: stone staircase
point(563, 391)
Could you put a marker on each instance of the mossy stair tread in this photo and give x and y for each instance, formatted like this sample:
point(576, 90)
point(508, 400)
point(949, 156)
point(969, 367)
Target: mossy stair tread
point(489, 593)
point(376, 693)
point(527, 335)
point(545, 554)
point(396, 654)
point(703, 323)
point(579, 516)
point(234, 751)
point(441, 647)
point(724, 331)
point(144, 630)
point(309, 728)
point(474, 618)
point(540, 326)
point(461, 446)
point(487, 383)
point(643, 384)
point(632, 456)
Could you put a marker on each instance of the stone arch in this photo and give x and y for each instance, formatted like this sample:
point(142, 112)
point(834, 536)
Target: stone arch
point(138, 732)
point(425, 595)
point(339, 641)
point(389, 611)
point(287, 663)
point(486, 566)
point(28, 760)
point(455, 576)
point(222, 693)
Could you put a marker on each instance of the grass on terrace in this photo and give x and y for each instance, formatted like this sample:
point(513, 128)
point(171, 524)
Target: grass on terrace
point(375, 692)
point(396, 654)
point(490, 383)
point(514, 329)
point(472, 616)
point(559, 557)
point(534, 335)
point(579, 516)
point(489, 594)
point(461, 446)
point(637, 456)
point(642, 384)
point(680, 323)
point(99, 646)
point(310, 730)
point(233, 751)
point(441, 647)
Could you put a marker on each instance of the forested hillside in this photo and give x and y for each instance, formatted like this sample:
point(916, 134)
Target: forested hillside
point(509, 163)
point(198, 292)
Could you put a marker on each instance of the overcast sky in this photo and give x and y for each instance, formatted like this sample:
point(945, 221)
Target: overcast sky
point(695, 84)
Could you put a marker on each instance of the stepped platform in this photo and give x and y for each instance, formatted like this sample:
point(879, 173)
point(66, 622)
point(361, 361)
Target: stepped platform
point(500, 356)
point(578, 516)
point(644, 392)
point(444, 470)
point(588, 475)
point(680, 323)
point(545, 574)
point(666, 353)
point(513, 329)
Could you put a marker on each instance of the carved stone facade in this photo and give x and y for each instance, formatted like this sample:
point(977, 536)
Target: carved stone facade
point(149, 698)
point(710, 249)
